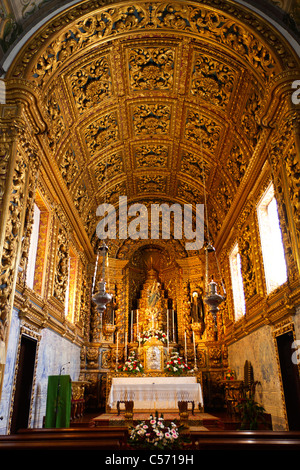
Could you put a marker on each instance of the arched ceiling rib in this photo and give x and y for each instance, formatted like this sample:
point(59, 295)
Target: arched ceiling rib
point(140, 98)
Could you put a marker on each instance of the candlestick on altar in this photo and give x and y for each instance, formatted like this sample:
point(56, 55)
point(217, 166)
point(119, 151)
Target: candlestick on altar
point(185, 347)
point(117, 351)
point(137, 324)
point(195, 355)
point(168, 331)
point(131, 329)
point(125, 352)
point(173, 326)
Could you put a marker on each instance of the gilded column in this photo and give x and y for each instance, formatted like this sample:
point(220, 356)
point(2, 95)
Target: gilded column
point(18, 162)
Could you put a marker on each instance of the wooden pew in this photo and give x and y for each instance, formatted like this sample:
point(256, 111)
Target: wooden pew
point(242, 440)
point(107, 438)
point(104, 438)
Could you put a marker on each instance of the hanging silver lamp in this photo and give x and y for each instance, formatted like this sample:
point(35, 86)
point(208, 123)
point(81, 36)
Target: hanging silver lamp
point(102, 298)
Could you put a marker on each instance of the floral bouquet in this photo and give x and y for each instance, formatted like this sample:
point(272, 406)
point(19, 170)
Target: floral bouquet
point(154, 434)
point(229, 374)
point(176, 365)
point(152, 333)
point(132, 365)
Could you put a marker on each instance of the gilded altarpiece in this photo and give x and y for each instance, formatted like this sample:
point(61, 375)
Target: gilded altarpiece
point(203, 91)
point(171, 285)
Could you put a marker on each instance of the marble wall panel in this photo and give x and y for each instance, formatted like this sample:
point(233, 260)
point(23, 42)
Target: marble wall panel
point(54, 353)
point(259, 348)
point(9, 372)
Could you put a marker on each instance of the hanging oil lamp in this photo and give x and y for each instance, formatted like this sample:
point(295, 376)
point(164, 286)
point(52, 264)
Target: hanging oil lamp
point(102, 298)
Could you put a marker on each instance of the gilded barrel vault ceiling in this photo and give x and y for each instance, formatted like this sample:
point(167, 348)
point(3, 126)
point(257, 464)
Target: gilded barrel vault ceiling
point(139, 99)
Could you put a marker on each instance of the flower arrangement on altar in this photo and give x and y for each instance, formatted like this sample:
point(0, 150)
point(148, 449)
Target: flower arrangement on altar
point(176, 365)
point(229, 374)
point(152, 333)
point(132, 365)
point(155, 434)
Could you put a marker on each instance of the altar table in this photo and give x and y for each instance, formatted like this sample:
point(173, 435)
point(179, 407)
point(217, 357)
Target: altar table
point(155, 393)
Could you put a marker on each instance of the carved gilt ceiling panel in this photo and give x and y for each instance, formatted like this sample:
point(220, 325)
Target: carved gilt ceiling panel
point(143, 99)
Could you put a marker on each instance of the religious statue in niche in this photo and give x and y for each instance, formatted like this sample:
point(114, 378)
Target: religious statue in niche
point(109, 313)
point(109, 320)
point(197, 307)
point(152, 311)
point(197, 312)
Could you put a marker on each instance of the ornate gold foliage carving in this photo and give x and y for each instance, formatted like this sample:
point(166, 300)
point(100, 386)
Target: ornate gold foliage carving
point(91, 84)
point(88, 30)
point(250, 118)
point(57, 127)
point(69, 167)
point(112, 194)
point(193, 165)
point(212, 80)
point(153, 183)
point(224, 196)
point(81, 197)
point(12, 239)
point(189, 193)
point(4, 159)
point(292, 165)
point(102, 132)
point(151, 119)
point(237, 163)
point(202, 130)
point(61, 273)
point(215, 25)
point(247, 258)
point(89, 221)
point(151, 68)
point(198, 20)
point(152, 156)
point(108, 168)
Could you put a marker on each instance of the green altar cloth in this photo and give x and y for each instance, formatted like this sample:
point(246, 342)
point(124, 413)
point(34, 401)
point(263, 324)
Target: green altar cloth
point(58, 408)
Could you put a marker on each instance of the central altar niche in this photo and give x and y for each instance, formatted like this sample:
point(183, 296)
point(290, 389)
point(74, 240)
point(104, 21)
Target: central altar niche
point(152, 305)
point(153, 314)
point(152, 323)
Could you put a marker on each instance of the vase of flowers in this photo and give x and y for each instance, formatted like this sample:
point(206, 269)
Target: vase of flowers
point(152, 333)
point(154, 434)
point(176, 365)
point(229, 374)
point(132, 365)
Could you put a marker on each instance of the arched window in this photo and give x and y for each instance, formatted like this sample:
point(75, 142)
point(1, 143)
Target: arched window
point(70, 302)
point(237, 282)
point(271, 240)
point(36, 264)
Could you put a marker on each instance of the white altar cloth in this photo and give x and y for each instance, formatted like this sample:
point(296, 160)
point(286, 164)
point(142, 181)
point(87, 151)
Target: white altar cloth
point(155, 393)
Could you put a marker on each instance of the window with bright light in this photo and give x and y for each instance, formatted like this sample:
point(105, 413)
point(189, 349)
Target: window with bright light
point(237, 282)
point(271, 241)
point(70, 302)
point(37, 253)
point(33, 247)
